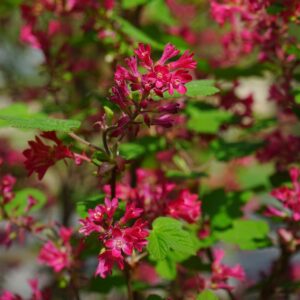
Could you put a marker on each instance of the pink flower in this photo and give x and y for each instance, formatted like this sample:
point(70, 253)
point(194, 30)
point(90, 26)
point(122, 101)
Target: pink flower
point(187, 207)
point(37, 294)
point(118, 242)
point(54, 256)
point(27, 36)
point(6, 188)
point(58, 255)
point(98, 216)
point(6, 295)
point(106, 262)
point(39, 157)
point(289, 197)
point(118, 238)
point(158, 77)
point(221, 273)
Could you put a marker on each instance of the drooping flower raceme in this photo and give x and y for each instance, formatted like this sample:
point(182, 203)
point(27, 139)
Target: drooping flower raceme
point(58, 254)
point(134, 90)
point(221, 273)
point(154, 194)
point(36, 293)
point(289, 197)
point(118, 238)
point(41, 156)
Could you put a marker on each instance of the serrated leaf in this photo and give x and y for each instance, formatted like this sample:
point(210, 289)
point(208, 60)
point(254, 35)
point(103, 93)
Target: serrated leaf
point(168, 235)
point(222, 208)
point(44, 124)
point(20, 201)
point(18, 110)
point(247, 234)
point(206, 120)
point(195, 88)
point(204, 87)
point(166, 268)
point(207, 295)
point(255, 176)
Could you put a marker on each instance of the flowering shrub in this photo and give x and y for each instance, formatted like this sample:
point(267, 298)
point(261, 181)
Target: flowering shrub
point(149, 149)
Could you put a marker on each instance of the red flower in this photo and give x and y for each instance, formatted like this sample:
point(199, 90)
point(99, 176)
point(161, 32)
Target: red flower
point(289, 197)
point(186, 207)
point(119, 240)
point(221, 273)
point(39, 157)
point(58, 255)
point(106, 262)
point(6, 188)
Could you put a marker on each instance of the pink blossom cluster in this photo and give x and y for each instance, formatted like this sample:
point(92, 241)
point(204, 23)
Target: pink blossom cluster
point(289, 198)
point(219, 277)
point(240, 107)
point(281, 148)
point(15, 225)
point(50, 22)
point(157, 196)
point(119, 238)
point(37, 294)
point(221, 273)
point(251, 25)
point(58, 254)
point(134, 91)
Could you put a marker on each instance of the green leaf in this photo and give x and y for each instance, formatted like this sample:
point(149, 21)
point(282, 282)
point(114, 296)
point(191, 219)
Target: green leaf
point(297, 98)
point(207, 295)
point(255, 176)
point(166, 269)
point(44, 124)
point(126, 4)
point(225, 151)
point(131, 150)
point(223, 208)
point(141, 147)
point(202, 88)
point(195, 88)
point(168, 235)
point(18, 110)
point(247, 234)
point(206, 119)
point(20, 201)
point(180, 175)
point(137, 34)
point(275, 9)
point(159, 12)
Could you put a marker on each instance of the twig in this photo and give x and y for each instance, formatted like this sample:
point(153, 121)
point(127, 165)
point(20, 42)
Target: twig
point(83, 141)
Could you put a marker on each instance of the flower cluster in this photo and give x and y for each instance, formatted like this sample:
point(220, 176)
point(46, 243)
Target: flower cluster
point(119, 239)
point(219, 277)
point(252, 25)
point(289, 198)
point(15, 224)
point(40, 156)
point(58, 255)
point(134, 91)
point(242, 108)
point(221, 273)
point(154, 194)
point(37, 294)
point(281, 148)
